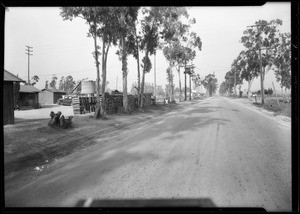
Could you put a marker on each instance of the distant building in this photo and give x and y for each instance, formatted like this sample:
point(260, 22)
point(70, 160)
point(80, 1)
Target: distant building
point(8, 97)
point(28, 96)
point(50, 95)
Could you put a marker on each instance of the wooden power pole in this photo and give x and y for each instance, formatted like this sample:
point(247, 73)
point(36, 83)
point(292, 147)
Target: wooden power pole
point(185, 80)
point(188, 71)
point(117, 84)
point(260, 68)
point(154, 76)
point(260, 62)
point(190, 88)
point(29, 53)
point(234, 82)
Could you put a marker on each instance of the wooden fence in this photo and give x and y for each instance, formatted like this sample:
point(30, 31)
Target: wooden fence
point(114, 103)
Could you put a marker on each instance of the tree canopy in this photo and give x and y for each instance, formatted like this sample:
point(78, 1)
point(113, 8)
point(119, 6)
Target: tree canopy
point(210, 83)
point(282, 60)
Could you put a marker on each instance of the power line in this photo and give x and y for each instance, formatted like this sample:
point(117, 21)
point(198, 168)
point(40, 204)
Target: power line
point(78, 71)
point(41, 48)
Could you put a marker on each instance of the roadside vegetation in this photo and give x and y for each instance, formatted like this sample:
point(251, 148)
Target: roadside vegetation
point(266, 50)
point(278, 105)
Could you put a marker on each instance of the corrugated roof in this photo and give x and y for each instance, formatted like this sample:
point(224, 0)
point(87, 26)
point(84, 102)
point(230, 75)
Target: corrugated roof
point(28, 89)
point(54, 90)
point(10, 77)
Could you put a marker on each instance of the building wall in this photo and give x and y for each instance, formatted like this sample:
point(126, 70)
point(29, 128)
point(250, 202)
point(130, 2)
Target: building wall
point(8, 103)
point(28, 99)
point(46, 97)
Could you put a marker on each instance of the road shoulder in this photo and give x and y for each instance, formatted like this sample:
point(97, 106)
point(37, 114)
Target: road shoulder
point(281, 119)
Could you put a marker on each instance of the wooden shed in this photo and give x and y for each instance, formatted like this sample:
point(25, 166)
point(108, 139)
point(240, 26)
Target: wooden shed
point(8, 97)
point(50, 95)
point(28, 96)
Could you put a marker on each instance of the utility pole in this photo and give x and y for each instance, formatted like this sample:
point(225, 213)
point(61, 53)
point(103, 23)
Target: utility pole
point(260, 62)
point(117, 84)
point(261, 71)
point(188, 71)
point(29, 51)
point(190, 86)
point(154, 76)
point(234, 82)
point(185, 80)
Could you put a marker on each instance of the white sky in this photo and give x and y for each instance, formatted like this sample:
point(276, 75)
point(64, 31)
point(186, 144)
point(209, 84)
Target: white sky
point(63, 48)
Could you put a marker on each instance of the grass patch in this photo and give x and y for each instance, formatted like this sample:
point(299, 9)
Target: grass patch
point(282, 107)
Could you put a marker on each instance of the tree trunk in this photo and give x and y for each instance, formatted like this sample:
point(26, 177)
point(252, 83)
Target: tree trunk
point(180, 92)
point(97, 110)
point(190, 88)
point(139, 76)
point(124, 69)
point(125, 100)
point(249, 87)
point(142, 90)
point(172, 85)
point(104, 60)
point(143, 83)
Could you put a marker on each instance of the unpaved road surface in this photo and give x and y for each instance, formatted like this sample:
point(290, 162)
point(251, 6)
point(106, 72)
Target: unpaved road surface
point(215, 149)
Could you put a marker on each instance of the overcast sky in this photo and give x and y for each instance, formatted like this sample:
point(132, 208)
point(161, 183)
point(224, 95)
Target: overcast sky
point(63, 48)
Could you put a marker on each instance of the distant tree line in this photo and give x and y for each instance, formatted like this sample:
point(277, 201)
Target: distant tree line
point(275, 56)
point(210, 84)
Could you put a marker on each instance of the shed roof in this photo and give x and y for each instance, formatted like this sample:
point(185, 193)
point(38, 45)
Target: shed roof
point(53, 90)
point(10, 77)
point(28, 89)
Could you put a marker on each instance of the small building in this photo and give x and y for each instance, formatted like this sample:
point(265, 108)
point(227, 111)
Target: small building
point(8, 97)
point(50, 95)
point(28, 96)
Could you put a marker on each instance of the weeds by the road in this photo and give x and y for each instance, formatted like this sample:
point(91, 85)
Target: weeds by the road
point(279, 106)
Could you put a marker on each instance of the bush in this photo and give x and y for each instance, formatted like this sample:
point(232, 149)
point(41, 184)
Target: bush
point(270, 91)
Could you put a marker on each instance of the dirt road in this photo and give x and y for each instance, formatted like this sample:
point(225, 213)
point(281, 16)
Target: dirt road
point(215, 149)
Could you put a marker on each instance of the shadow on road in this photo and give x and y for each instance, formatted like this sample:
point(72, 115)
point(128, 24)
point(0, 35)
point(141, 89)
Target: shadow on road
point(170, 129)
